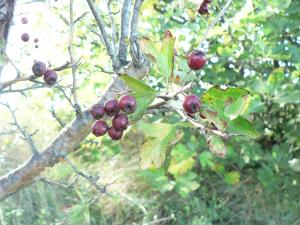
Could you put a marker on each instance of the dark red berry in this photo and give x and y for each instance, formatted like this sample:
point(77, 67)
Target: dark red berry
point(115, 134)
point(111, 107)
point(25, 37)
point(207, 1)
point(50, 77)
point(127, 103)
point(39, 68)
point(191, 104)
point(203, 9)
point(120, 122)
point(36, 40)
point(24, 20)
point(196, 59)
point(97, 111)
point(99, 128)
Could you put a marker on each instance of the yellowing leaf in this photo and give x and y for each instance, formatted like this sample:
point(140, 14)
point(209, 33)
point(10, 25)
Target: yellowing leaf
point(179, 168)
point(232, 177)
point(217, 146)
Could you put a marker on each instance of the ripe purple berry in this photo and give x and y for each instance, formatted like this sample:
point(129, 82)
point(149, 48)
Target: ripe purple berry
point(50, 77)
point(97, 111)
point(39, 68)
point(111, 107)
point(120, 122)
point(25, 37)
point(99, 128)
point(24, 20)
point(36, 40)
point(115, 134)
point(196, 60)
point(203, 9)
point(127, 103)
point(191, 104)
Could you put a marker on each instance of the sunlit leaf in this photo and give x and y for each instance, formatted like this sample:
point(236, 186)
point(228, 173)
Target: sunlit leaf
point(243, 127)
point(143, 93)
point(217, 146)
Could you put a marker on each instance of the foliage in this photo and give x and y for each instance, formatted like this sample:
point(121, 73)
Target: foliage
point(165, 167)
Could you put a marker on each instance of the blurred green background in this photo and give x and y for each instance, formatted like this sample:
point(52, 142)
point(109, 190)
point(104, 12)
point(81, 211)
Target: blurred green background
point(256, 46)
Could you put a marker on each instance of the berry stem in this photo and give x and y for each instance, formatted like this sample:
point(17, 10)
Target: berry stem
point(213, 23)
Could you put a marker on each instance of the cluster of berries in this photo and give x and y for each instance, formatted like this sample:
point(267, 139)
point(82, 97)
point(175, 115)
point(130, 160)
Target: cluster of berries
point(25, 36)
point(40, 69)
point(203, 9)
point(112, 108)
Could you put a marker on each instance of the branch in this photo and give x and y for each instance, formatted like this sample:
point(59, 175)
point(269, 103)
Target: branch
point(112, 22)
point(135, 17)
point(125, 25)
point(16, 80)
point(74, 67)
point(108, 44)
point(31, 77)
point(65, 142)
point(202, 127)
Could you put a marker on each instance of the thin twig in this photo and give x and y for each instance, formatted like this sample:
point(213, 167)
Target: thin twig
point(108, 44)
point(53, 113)
point(203, 127)
point(23, 131)
point(80, 17)
point(213, 23)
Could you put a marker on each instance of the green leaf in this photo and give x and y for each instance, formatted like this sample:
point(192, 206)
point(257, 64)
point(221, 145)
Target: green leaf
point(157, 179)
point(218, 98)
point(164, 55)
point(232, 177)
point(213, 117)
point(242, 126)
point(181, 161)
point(153, 151)
point(166, 58)
point(217, 146)
point(235, 109)
point(293, 97)
point(187, 183)
point(143, 93)
point(206, 159)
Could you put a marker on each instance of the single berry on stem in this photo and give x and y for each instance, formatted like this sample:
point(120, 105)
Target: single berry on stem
point(50, 77)
point(203, 9)
point(191, 104)
point(115, 134)
point(97, 111)
point(39, 68)
point(25, 37)
point(196, 60)
point(24, 20)
point(111, 107)
point(127, 103)
point(99, 128)
point(120, 122)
